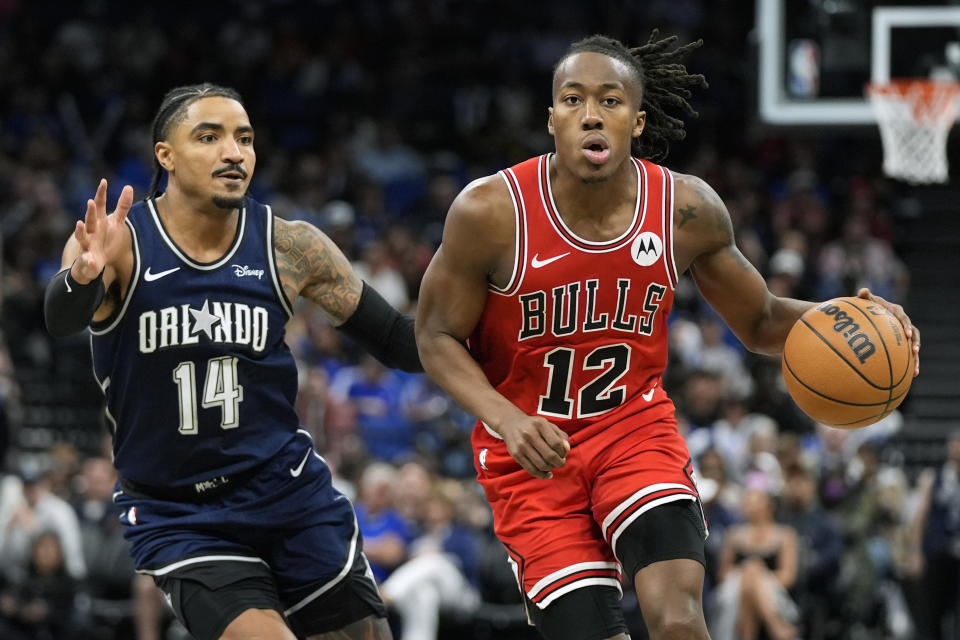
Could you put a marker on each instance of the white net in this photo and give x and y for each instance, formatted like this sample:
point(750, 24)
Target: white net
point(915, 117)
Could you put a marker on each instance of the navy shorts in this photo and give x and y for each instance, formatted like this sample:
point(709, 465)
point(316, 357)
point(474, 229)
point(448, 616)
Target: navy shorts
point(288, 518)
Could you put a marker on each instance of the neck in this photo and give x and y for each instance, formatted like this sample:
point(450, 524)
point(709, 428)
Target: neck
point(597, 201)
point(203, 230)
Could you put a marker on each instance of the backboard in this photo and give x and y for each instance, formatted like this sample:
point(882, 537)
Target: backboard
point(817, 56)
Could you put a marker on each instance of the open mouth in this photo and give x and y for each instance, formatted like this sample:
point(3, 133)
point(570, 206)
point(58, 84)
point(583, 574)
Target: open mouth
point(596, 150)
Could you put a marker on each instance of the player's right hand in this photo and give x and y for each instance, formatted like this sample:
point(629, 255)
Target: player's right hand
point(536, 444)
point(97, 233)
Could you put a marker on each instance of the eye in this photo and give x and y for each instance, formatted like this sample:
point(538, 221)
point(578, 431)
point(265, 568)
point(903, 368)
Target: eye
point(571, 100)
point(610, 101)
point(207, 138)
point(246, 139)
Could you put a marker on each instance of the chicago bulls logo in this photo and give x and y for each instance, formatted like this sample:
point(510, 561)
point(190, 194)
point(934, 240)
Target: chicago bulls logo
point(646, 249)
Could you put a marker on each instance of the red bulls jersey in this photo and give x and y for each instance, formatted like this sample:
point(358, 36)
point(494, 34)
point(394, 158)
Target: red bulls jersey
point(579, 334)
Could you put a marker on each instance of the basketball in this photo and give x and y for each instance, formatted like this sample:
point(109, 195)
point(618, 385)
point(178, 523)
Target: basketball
point(847, 362)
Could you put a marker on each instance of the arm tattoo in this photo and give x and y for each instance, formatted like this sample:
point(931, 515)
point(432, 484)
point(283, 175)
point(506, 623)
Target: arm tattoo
point(310, 264)
point(369, 628)
point(686, 214)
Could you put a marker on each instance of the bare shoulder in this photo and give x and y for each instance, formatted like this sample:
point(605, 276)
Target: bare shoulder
point(701, 222)
point(484, 203)
point(310, 264)
point(480, 230)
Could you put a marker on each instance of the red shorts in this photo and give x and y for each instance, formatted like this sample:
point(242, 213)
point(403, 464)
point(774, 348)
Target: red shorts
point(561, 533)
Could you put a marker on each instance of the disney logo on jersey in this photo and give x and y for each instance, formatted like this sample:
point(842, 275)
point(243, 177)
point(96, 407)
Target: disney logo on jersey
point(243, 270)
point(646, 249)
point(220, 322)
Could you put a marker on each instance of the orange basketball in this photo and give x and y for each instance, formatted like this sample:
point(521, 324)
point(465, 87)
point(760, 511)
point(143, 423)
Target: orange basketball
point(847, 362)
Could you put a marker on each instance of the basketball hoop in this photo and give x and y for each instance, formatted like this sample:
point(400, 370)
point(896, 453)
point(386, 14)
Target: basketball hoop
point(915, 117)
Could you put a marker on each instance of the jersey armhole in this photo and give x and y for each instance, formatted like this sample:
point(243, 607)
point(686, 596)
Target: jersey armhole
point(109, 323)
point(272, 262)
point(668, 262)
point(520, 236)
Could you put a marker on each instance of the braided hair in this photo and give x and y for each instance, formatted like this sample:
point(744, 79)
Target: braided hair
point(664, 83)
point(173, 109)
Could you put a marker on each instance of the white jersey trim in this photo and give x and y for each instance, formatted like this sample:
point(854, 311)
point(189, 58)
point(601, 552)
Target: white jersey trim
point(642, 510)
point(579, 584)
point(337, 579)
point(272, 265)
point(669, 262)
point(573, 568)
point(238, 240)
point(520, 236)
point(604, 246)
point(189, 561)
point(131, 288)
point(623, 506)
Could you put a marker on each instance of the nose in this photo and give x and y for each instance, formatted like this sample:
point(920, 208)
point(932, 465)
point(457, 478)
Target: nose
point(591, 116)
point(230, 151)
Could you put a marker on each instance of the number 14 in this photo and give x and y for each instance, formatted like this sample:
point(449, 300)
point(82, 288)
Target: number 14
point(220, 387)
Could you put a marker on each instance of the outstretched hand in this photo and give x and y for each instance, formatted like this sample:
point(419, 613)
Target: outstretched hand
point(913, 334)
point(537, 444)
point(97, 232)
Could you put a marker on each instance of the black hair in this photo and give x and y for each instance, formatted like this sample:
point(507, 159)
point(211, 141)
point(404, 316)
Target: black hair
point(664, 83)
point(172, 110)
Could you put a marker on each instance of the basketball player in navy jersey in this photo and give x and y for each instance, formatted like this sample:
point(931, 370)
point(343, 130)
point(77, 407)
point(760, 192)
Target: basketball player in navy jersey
point(186, 295)
point(544, 314)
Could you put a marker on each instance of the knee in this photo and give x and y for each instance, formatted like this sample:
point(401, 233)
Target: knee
point(683, 621)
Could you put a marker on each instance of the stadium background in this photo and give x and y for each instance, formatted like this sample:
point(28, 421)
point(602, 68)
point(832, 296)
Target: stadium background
point(370, 116)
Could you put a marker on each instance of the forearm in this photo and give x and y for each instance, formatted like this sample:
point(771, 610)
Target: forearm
point(770, 333)
point(448, 362)
point(383, 331)
point(68, 305)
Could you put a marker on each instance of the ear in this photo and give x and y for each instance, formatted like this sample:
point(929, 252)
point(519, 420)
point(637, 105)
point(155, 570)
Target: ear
point(550, 128)
point(639, 124)
point(164, 154)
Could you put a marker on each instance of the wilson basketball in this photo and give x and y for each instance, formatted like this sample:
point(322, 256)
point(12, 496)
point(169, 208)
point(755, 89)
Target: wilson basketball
point(847, 362)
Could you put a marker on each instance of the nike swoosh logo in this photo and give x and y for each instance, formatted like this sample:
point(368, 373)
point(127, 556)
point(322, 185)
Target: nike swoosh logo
point(150, 277)
point(536, 263)
point(296, 471)
point(648, 395)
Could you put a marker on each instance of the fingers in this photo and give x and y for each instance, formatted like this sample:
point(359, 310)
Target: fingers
point(916, 351)
point(124, 202)
point(534, 464)
point(542, 448)
point(101, 197)
point(912, 333)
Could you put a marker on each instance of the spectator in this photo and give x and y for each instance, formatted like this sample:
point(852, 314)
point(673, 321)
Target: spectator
point(819, 549)
point(440, 576)
point(35, 509)
point(386, 533)
point(758, 567)
point(41, 606)
point(936, 545)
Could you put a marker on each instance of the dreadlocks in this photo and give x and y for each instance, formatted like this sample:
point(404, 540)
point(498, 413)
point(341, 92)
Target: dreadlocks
point(664, 82)
point(173, 109)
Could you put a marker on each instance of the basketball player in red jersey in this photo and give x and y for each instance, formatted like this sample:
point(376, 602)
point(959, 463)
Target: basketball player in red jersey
point(544, 313)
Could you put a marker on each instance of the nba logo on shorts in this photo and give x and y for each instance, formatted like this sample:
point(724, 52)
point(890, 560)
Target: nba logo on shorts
point(483, 459)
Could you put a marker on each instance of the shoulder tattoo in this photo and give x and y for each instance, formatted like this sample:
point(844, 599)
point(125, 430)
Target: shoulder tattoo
point(687, 214)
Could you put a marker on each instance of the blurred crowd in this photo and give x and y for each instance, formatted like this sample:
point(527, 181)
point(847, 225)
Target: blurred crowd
point(370, 116)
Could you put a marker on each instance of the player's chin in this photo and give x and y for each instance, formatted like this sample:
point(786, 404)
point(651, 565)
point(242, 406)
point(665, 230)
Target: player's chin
point(595, 174)
point(228, 201)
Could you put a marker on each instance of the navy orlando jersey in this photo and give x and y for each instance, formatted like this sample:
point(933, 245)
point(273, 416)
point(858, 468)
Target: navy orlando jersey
point(198, 380)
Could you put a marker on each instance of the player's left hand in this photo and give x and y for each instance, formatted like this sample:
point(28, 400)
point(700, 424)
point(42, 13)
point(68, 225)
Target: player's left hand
point(913, 334)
